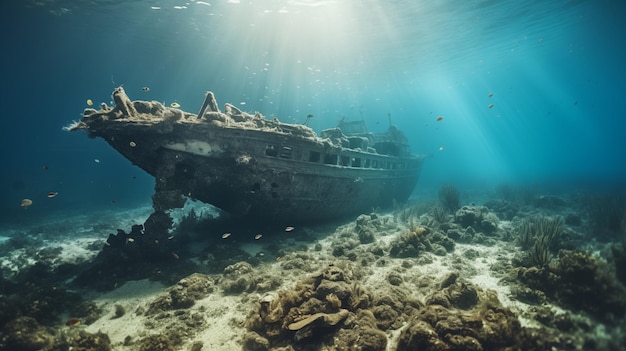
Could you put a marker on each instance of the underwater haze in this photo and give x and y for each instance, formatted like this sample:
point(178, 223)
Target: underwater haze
point(531, 92)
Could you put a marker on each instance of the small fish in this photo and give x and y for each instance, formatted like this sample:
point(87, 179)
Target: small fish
point(175, 105)
point(52, 194)
point(441, 148)
point(130, 240)
point(289, 229)
point(146, 89)
point(72, 322)
point(132, 144)
point(89, 102)
point(96, 160)
point(26, 202)
point(439, 118)
point(490, 95)
point(170, 237)
point(258, 236)
point(490, 106)
point(45, 168)
point(225, 235)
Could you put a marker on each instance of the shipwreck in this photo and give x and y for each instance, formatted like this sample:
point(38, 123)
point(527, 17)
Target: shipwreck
point(254, 167)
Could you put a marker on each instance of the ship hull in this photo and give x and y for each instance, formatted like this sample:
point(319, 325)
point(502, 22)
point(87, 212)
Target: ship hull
point(252, 167)
point(229, 169)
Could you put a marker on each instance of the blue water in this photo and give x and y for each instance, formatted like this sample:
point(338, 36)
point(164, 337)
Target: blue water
point(555, 69)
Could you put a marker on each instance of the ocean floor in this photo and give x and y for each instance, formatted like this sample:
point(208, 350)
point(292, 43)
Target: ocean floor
point(513, 272)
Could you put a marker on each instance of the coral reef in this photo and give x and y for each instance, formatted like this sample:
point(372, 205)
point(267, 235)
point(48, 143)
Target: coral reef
point(33, 293)
point(25, 333)
point(578, 281)
point(184, 294)
point(80, 340)
point(156, 343)
point(173, 313)
point(421, 239)
point(463, 317)
point(327, 312)
point(311, 315)
point(416, 278)
point(367, 226)
point(478, 217)
point(241, 277)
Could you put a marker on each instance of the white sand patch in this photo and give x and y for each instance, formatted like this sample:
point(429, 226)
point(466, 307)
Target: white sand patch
point(388, 238)
point(77, 251)
point(15, 261)
point(478, 271)
point(73, 235)
point(74, 252)
point(91, 224)
point(393, 337)
point(438, 268)
point(226, 316)
point(490, 256)
point(130, 296)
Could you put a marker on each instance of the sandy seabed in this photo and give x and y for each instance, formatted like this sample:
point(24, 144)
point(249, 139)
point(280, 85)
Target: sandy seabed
point(411, 257)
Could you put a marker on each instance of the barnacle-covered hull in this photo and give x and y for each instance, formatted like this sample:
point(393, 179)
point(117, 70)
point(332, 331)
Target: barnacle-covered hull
point(250, 166)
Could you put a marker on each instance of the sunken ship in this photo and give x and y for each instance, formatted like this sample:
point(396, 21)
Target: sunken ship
point(251, 166)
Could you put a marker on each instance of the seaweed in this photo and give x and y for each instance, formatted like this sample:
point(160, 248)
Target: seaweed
point(539, 254)
point(439, 213)
point(411, 210)
point(450, 197)
point(539, 236)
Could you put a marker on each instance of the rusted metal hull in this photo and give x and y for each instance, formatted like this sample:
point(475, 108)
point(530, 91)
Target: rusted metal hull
point(257, 173)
